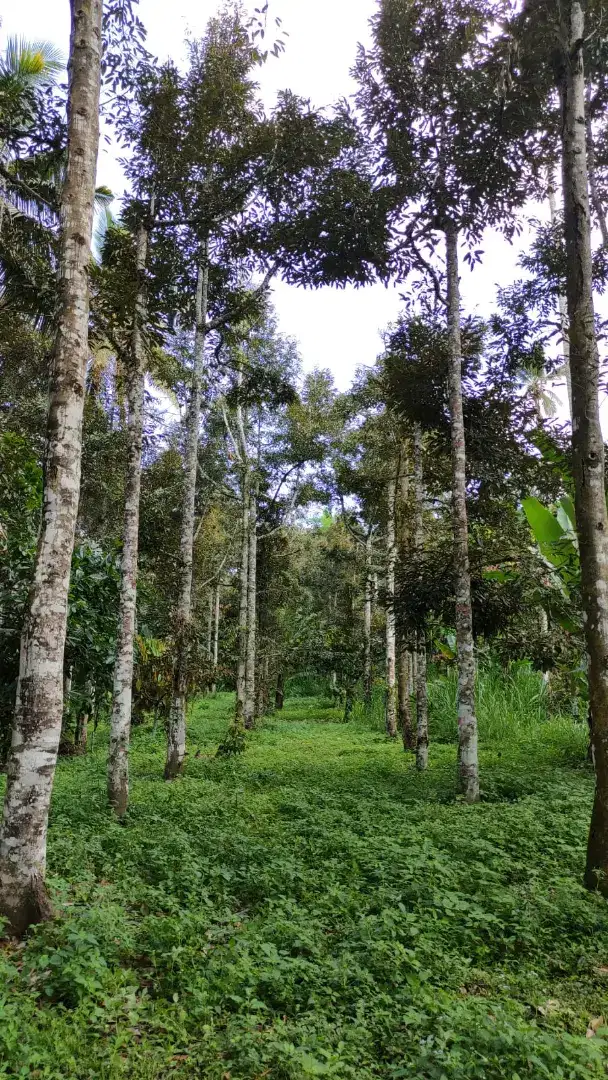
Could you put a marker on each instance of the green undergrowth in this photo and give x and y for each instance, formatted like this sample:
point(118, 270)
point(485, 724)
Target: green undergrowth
point(314, 908)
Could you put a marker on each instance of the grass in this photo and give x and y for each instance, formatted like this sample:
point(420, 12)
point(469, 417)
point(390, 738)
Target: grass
point(313, 907)
point(512, 703)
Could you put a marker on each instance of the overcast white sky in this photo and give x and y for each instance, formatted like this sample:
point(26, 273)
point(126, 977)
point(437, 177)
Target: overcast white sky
point(338, 329)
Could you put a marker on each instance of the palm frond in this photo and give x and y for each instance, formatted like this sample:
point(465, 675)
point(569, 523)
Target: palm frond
point(104, 218)
point(31, 62)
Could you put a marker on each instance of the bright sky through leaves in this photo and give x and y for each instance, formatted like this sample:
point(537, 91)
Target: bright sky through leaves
point(337, 329)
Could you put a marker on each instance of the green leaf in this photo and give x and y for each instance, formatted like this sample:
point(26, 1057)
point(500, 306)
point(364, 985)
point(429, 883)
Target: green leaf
point(553, 540)
point(567, 505)
point(546, 527)
point(445, 650)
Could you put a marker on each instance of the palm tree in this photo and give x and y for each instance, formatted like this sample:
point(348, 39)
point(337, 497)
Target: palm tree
point(27, 71)
point(536, 385)
point(31, 172)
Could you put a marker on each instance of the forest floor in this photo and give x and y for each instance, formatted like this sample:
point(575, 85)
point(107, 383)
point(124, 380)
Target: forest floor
point(314, 908)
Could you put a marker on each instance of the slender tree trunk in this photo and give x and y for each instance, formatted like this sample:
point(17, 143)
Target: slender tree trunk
point(262, 696)
point(587, 441)
point(411, 683)
point(120, 729)
point(391, 688)
point(543, 625)
point(467, 721)
point(596, 201)
point(67, 691)
point(422, 715)
point(279, 697)
point(561, 307)
point(422, 708)
point(349, 702)
point(216, 636)
point(39, 704)
point(210, 602)
point(367, 621)
point(82, 724)
point(334, 689)
point(251, 615)
point(176, 727)
point(404, 704)
point(243, 602)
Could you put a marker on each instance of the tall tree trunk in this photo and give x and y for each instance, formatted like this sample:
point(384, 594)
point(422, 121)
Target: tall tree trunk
point(249, 712)
point(404, 704)
point(596, 201)
point(262, 707)
point(210, 601)
point(120, 728)
point(422, 708)
point(422, 714)
point(243, 601)
point(279, 697)
point(216, 636)
point(67, 691)
point(82, 720)
point(367, 621)
point(561, 307)
point(587, 441)
point(468, 767)
point(412, 674)
point(543, 625)
point(176, 727)
point(39, 704)
point(349, 701)
point(391, 688)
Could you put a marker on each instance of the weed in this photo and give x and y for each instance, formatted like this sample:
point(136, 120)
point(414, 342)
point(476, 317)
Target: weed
point(313, 907)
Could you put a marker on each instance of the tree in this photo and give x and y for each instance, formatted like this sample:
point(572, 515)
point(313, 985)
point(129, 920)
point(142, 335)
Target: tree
point(224, 177)
point(425, 93)
point(391, 644)
point(422, 719)
point(587, 439)
point(23, 897)
point(118, 761)
point(552, 41)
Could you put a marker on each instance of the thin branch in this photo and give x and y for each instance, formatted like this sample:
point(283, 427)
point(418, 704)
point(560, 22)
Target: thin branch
point(288, 510)
point(237, 452)
point(430, 270)
point(293, 468)
point(215, 577)
point(359, 537)
point(218, 486)
point(224, 320)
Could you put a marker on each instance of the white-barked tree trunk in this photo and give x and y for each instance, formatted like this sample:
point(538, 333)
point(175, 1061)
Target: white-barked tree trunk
point(176, 726)
point(39, 703)
point(120, 727)
point(468, 767)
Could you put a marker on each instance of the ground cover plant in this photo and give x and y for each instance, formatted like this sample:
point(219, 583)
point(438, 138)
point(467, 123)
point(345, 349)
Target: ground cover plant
point(316, 907)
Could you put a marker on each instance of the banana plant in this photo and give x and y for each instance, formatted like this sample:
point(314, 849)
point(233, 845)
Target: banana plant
point(555, 534)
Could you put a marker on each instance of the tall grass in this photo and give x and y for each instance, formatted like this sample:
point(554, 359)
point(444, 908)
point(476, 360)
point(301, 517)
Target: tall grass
point(511, 703)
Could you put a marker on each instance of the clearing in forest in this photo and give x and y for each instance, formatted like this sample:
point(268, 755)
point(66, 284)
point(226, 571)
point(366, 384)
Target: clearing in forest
point(314, 907)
